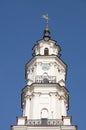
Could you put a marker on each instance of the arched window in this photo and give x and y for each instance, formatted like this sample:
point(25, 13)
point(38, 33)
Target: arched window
point(44, 113)
point(46, 51)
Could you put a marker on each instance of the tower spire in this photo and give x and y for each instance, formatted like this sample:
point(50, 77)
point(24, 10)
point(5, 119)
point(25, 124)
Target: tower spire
point(46, 30)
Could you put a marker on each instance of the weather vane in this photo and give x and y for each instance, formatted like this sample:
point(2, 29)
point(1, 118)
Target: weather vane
point(46, 18)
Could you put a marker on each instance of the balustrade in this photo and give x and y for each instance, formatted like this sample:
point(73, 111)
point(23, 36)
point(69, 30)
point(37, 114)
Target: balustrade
point(44, 122)
point(45, 79)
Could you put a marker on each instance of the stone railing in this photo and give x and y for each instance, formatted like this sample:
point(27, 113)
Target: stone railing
point(45, 79)
point(44, 122)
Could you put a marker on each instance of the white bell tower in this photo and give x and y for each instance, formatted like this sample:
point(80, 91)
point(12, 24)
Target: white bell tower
point(45, 99)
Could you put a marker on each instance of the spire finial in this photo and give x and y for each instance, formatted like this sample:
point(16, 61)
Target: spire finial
point(46, 31)
point(45, 16)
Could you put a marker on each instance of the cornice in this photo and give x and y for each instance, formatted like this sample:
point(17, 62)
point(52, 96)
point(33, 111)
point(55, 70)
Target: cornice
point(32, 61)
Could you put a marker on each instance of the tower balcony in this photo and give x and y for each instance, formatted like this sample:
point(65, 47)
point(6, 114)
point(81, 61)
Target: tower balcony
point(44, 122)
point(45, 79)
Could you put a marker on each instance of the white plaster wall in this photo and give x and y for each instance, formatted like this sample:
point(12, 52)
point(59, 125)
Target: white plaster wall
point(44, 98)
point(55, 69)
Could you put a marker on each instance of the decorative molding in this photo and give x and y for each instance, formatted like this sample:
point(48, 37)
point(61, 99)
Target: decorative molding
point(53, 94)
point(37, 94)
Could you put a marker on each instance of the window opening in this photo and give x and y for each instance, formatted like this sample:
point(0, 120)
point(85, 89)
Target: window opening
point(46, 51)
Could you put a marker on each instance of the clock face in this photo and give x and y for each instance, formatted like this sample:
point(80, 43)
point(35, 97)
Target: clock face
point(45, 67)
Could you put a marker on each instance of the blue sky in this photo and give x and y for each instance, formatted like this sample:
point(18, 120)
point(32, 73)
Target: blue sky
point(21, 26)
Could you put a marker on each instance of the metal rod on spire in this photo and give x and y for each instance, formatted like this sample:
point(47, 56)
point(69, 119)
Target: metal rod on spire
point(46, 18)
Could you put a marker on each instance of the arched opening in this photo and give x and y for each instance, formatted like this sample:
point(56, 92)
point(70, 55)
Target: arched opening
point(44, 116)
point(44, 113)
point(45, 80)
point(46, 51)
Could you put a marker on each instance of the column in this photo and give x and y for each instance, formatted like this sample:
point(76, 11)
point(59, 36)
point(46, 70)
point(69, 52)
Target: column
point(35, 113)
point(26, 109)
